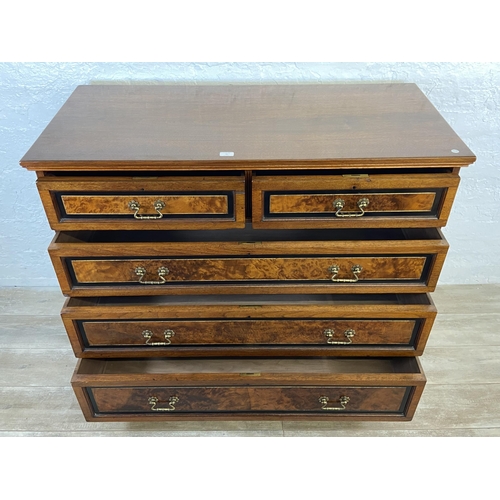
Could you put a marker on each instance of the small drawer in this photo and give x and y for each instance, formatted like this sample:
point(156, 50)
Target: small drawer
point(130, 263)
point(294, 325)
point(337, 201)
point(275, 389)
point(81, 203)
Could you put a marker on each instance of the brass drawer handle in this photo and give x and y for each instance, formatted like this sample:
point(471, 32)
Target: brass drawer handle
point(349, 334)
point(153, 401)
point(148, 334)
point(356, 269)
point(343, 400)
point(339, 205)
point(162, 271)
point(135, 205)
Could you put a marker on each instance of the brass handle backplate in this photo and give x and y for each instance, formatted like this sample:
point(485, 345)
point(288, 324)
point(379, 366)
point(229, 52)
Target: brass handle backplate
point(141, 272)
point(168, 334)
point(343, 400)
point(172, 400)
point(339, 205)
point(349, 334)
point(135, 206)
point(356, 269)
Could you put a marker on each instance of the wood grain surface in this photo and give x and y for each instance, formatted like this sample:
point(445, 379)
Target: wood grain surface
point(119, 205)
point(325, 203)
point(241, 332)
point(248, 399)
point(247, 269)
point(179, 126)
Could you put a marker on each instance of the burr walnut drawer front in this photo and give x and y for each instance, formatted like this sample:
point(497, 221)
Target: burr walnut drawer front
point(227, 389)
point(104, 265)
point(143, 203)
point(336, 201)
point(303, 325)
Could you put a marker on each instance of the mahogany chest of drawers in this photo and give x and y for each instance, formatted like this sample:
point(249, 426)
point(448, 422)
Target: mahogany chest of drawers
point(248, 251)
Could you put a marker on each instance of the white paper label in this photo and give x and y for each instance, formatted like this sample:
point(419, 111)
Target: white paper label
point(226, 153)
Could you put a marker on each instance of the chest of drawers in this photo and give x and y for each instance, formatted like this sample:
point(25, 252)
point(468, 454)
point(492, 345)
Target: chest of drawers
point(239, 252)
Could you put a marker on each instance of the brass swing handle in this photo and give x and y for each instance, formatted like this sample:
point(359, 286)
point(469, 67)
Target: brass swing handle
point(135, 205)
point(339, 205)
point(343, 400)
point(141, 272)
point(356, 269)
point(349, 334)
point(172, 400)
point(168, 334)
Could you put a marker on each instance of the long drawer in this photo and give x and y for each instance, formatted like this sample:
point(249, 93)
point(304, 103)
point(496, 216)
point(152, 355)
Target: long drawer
point(181, 262)
point(239, 326)
point(340, 201)
point(149, 202)
point(274, 389)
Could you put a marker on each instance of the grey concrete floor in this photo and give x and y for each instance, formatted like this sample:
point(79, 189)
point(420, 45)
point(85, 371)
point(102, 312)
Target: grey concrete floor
point(461, 362)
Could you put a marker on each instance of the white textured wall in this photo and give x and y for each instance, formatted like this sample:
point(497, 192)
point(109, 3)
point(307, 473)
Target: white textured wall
point(466, 94)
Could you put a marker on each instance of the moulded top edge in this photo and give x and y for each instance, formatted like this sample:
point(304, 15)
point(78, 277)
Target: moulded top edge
point(248, 164)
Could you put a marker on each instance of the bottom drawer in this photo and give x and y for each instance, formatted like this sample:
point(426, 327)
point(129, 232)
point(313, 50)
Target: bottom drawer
point(266, 389)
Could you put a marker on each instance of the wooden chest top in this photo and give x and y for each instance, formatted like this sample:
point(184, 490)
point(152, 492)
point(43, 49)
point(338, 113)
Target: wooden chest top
point(147, 127)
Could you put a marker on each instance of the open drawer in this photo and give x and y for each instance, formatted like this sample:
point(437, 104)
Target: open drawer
point(253, 262)
point(271, 389)
point(339, 201)
point(245, 326)
point(148, 202)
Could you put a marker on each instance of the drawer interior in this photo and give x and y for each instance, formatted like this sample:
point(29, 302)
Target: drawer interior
point(142, 174)
point(249, 235)
point(353, 172)
point(252, 300)
point(250, 367)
